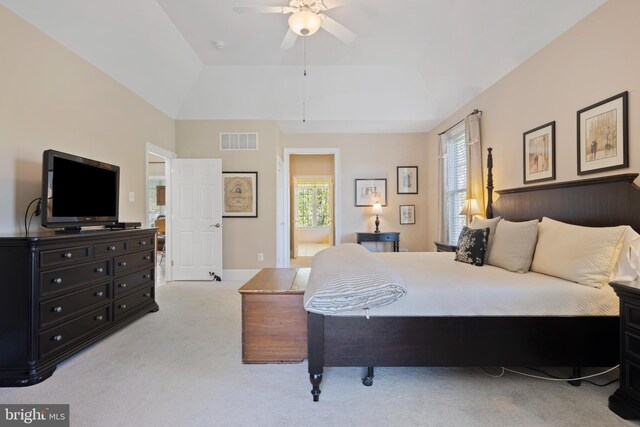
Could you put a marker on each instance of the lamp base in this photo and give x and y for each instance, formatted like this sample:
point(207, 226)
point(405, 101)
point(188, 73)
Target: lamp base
point(377, 224)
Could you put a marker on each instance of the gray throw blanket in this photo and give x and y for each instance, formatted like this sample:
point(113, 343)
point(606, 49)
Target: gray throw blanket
point(349, 277)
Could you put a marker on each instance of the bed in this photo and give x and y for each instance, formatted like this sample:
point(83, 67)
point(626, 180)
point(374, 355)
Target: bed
point(488, 341)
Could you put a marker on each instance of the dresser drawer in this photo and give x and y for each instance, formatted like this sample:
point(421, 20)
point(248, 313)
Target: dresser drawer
point(124, 284)
point(57, 280)
point(141, 243)
point(631, 315)
point(135, 260)
point(64, 256)
point(60, 309)
point(66, 334)
point(128, 304)
point(110, 248)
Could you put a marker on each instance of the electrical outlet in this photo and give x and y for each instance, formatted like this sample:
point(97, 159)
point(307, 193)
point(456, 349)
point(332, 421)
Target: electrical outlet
point(260, 256)
point(132, 196)
point(404, 250)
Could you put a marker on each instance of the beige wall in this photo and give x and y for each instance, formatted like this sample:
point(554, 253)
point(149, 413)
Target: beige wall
point(242, 238)
point(594, 60)
point(311, 164)
point(51, 98)
point(376, 156)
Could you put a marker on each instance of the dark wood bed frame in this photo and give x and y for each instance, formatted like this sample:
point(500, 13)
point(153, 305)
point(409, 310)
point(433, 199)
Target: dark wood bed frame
point(580, 341)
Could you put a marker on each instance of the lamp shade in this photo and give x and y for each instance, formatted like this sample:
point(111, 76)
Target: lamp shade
point(377, 209)
point(304, 23)
point(470, 208)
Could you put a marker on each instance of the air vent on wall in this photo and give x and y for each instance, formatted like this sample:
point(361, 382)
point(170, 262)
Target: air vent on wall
point(238, 141)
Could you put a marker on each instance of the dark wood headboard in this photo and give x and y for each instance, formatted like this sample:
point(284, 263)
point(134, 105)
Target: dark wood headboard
point(596, 202)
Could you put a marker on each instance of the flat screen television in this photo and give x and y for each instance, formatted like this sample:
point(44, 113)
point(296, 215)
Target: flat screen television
point(77, 191)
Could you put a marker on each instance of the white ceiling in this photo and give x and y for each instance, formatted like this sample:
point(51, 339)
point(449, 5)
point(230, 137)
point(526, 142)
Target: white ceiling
point(413, 63)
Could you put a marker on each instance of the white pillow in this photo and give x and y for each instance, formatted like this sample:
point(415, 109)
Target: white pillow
point(586, 255)
point(491, 224)
point(513, 245)
point(628, 265)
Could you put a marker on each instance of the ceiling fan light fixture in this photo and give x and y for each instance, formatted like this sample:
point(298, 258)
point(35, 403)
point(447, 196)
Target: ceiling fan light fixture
point(304, 23)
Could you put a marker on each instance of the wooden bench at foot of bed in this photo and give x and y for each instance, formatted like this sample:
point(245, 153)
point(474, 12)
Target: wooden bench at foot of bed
point(274, 322)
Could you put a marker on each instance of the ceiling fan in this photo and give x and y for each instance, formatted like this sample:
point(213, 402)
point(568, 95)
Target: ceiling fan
point(306, 18)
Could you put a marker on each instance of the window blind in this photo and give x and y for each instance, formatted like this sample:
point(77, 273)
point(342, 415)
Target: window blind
point(455, 183)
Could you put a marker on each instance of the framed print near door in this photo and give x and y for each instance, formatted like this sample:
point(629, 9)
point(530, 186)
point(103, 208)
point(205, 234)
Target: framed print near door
point(603, 136)
point(240, 194)
point(407, 180)
point(407, 214)
point(370, 191)
point(539, 154)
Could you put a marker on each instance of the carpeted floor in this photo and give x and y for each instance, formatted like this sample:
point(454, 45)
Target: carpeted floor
point(181, 367)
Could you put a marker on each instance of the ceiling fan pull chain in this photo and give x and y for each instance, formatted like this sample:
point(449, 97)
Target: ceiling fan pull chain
point(304, 75)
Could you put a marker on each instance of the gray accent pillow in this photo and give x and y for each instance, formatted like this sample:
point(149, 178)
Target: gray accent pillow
point(491, 224)
point(472, 245)
point(514, 245)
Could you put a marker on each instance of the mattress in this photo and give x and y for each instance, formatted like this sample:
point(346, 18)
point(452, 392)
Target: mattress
point(439, 286)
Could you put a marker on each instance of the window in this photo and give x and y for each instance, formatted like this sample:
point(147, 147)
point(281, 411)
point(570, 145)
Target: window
point(313, 204)
point(455, 183)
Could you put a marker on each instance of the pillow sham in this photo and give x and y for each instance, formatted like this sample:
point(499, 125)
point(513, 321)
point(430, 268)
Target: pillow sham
point(628, 261)
point(492, 224)
point(472, 244)
point(585, 255)
point(513, 245)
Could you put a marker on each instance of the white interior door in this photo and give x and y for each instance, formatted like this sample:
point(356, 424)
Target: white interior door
point(281, 255)
point(197, 218)
point(332, 240)
point(296, 219)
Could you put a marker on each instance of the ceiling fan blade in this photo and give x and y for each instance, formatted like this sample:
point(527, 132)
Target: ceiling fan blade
point(330, 4)
point(337, 29)
point(262, 9)
point(289, 40)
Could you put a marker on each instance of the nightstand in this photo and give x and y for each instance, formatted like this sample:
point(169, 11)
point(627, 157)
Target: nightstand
point(445, 247)
point(380, 237)
point(626, 400)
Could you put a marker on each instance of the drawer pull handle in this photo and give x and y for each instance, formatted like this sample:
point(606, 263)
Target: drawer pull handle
point(57, 338)
point(123, 306)
point(67, 255)
point(123, 263)
point(99, 293)
point(57, 309)
point(144, 242)
point(123, 285)
point(111, 248)
point(57, 280)
point(146, 294)
point(99, 270)
point(148, 257)
point(146, 276)
point(98, 318)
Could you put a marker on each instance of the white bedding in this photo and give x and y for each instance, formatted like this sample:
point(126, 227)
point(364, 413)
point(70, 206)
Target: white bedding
point(439, 286)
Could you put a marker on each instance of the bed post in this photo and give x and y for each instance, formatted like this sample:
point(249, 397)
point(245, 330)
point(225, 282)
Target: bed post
point(315, 328)
point(489, 210)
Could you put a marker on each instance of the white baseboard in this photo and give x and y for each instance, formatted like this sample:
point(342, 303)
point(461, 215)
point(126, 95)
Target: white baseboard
point(238, 274)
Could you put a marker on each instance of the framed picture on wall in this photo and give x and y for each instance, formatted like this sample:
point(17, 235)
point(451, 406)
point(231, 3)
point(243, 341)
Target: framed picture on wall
point(407, 180)
point(539, 153)
point(240, 194)
point(603, 142)
point(407, 214)
point(370, 191)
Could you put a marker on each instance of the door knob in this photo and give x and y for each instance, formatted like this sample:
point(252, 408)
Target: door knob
point(216, 225)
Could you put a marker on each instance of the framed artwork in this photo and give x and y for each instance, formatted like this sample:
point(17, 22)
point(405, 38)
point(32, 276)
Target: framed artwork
point(407, 214)
point(240, 197)
point(407, 180)
point(370, 191)
point(539, 153)
point(603, 136)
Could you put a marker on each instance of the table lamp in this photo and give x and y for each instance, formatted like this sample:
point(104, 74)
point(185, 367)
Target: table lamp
point(377, 210)
point(470, 209)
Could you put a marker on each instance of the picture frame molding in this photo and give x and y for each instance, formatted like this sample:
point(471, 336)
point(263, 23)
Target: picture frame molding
point(413, 208)
point(624, 143)
point(254, 212)
point(552, 160)
point(360, 180)
point(398, 179)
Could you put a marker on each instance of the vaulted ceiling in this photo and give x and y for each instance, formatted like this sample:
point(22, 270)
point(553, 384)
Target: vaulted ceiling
point(412, 64)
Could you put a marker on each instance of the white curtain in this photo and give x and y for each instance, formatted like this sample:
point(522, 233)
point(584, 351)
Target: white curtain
point(475, 177)
point(443, 233)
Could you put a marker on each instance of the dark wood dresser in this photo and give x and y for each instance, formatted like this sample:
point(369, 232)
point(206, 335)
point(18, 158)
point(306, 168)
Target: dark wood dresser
point(390, 236)
point(61, 292)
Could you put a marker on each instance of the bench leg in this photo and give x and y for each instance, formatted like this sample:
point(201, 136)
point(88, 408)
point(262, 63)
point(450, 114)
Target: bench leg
point(368, 380)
